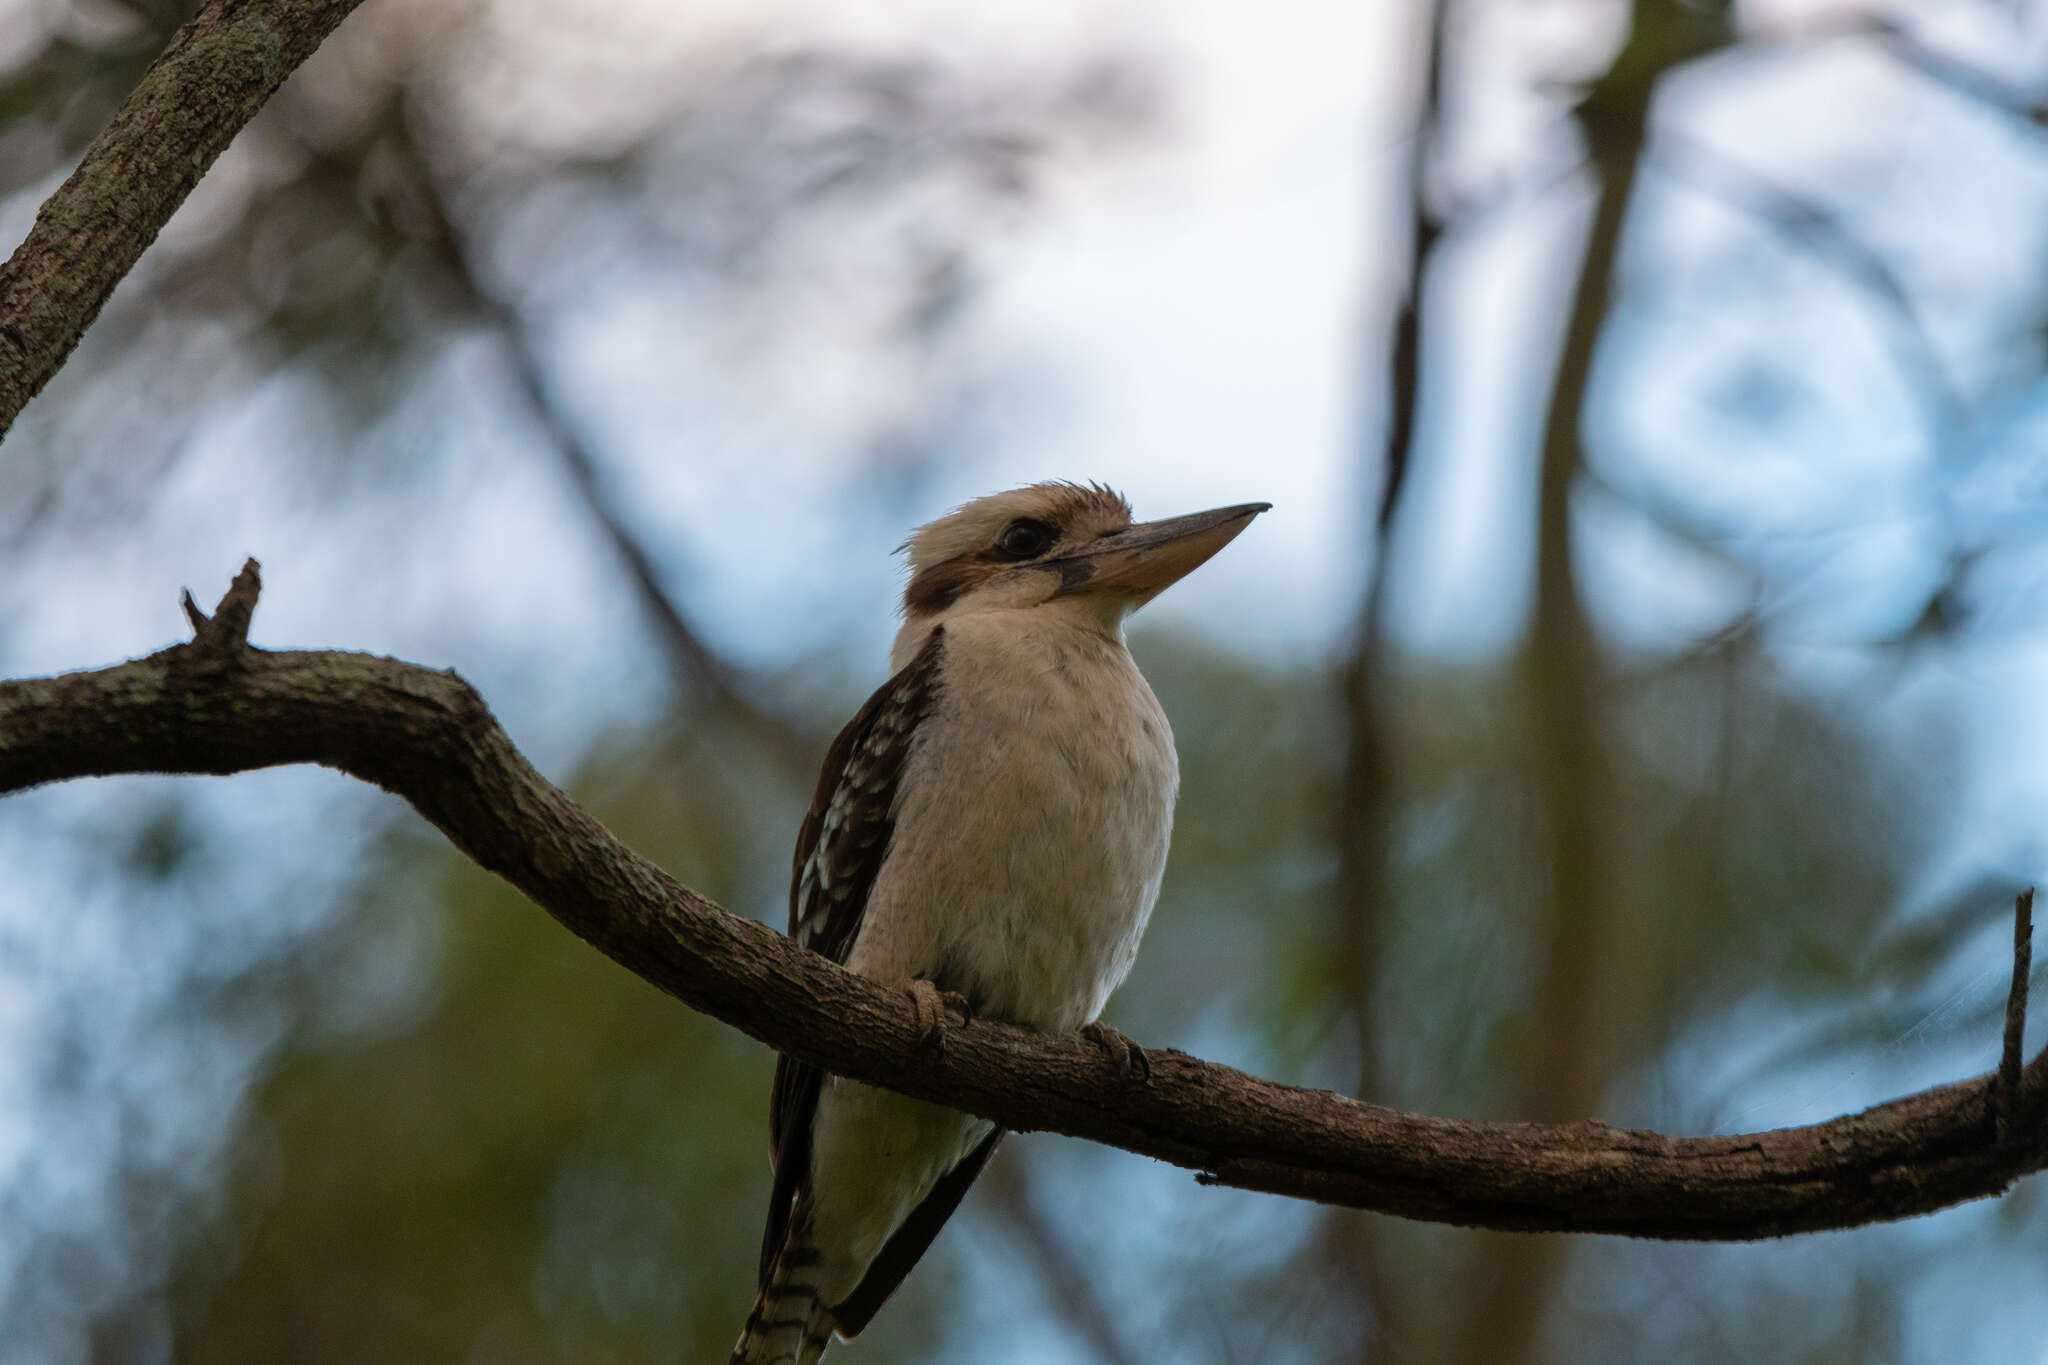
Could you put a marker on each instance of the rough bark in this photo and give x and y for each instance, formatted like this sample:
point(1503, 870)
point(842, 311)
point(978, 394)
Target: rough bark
point(217, 705)
point(216, 73)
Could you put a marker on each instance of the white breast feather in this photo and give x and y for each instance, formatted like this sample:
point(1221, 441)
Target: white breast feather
point(1032, 828)
point(1031, 833)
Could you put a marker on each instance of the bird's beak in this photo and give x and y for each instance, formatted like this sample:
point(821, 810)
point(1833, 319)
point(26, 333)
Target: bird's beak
point(1139, 562)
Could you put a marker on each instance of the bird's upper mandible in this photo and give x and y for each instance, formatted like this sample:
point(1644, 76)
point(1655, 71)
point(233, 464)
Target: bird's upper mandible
point(1069, 544)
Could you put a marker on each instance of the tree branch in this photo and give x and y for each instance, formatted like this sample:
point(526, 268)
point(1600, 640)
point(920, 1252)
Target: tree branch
point(217, 705)
point(216, 73)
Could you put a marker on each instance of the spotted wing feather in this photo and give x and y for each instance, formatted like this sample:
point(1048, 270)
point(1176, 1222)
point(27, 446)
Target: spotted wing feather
point(839, 851)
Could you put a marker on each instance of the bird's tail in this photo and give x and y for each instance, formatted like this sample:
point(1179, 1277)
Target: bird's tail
point(790, 1324)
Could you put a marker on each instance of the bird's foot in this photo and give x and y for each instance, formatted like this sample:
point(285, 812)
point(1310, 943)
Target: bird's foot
point(933, 1005)
point(1131, 1061)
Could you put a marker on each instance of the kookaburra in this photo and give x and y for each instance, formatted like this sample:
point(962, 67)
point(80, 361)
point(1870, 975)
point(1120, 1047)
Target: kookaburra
point(993, 823)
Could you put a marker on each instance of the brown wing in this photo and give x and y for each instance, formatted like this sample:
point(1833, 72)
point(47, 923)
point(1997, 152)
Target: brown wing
point(839, 851)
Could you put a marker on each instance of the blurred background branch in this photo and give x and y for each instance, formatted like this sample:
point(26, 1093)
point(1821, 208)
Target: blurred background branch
point(1814, 227)
point(1972, 81)
point(1365, 809)
point(702, 678)
point(1585, 1003)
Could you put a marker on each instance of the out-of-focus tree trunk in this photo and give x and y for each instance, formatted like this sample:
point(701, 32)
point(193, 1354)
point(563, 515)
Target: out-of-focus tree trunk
point(1366, 806)
point(1588, 994)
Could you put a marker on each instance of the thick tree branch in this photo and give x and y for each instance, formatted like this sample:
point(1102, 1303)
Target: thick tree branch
point(218, 706)
point(216, 73)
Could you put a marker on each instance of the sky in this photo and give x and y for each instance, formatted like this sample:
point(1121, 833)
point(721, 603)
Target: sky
point(1188, 318)
point(1197, 320)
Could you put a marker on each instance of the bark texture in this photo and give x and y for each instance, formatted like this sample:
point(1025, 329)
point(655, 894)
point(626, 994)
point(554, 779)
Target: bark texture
point(216, 73)
point(217, 705)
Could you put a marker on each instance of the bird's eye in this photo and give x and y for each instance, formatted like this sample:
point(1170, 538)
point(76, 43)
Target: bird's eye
point(1024, 538)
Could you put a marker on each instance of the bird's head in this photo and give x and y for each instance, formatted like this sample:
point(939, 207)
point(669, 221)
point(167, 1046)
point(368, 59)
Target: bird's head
point(1069, 546)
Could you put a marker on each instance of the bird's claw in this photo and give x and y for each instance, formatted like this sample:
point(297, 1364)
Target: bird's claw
point(1131, 1061)
point(933, 1006)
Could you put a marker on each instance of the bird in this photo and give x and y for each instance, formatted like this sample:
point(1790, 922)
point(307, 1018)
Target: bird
point(988, 833)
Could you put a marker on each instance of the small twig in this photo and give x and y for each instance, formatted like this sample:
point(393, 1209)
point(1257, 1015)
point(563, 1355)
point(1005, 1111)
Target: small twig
point(226, 633)
point(237, 605)
point(2006, 1094)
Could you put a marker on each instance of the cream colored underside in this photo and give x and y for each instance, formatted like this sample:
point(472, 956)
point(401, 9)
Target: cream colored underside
point(1030, 835)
